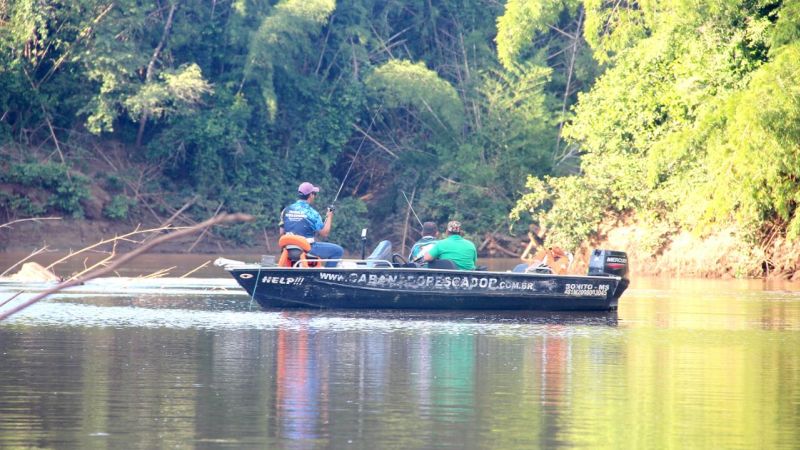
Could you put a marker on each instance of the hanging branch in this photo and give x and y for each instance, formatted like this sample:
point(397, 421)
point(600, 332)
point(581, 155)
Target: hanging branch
point(150, 70)
point(570, 70)
point(91, 274)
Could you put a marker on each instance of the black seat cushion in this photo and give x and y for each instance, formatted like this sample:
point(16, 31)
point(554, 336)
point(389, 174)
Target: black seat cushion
point(442, 264)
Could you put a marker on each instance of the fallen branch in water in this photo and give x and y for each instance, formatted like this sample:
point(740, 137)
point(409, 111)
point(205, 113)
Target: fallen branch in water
point(20, 262)
point(124, 238)
point(96, 271)
point(195, 269)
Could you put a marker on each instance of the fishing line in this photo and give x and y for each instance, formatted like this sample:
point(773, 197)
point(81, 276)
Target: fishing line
point(369, 128)
point(253, 296)
point(412, 209)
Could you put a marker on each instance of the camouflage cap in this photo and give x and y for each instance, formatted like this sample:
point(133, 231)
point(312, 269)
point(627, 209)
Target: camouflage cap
point(454, 226)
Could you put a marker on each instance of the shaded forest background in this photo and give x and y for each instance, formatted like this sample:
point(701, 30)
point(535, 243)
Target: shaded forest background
point(577, 116)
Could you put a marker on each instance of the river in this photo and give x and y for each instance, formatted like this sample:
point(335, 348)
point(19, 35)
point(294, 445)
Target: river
point(191, 363)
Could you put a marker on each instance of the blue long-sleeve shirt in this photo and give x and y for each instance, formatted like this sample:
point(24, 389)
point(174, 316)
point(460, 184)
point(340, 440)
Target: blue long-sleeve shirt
point(301, 219)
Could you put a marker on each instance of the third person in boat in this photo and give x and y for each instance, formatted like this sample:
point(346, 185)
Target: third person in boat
point(455, 248)
point(430, 233)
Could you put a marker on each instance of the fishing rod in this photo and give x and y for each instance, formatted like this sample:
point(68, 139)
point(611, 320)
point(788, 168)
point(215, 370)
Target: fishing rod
point(346, 174)
point(412, 209)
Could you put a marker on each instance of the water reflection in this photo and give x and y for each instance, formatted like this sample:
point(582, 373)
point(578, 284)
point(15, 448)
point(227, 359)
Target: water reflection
point(693, 368)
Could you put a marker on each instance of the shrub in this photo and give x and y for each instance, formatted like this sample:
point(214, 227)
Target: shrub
point(118, 207)
point(62, 191)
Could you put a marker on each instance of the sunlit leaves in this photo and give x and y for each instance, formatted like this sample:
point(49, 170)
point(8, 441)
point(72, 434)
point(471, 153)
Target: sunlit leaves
point(405, 84)
point(281, 39)
point(176, 92)
point(522, 19)
point(755, 157)
point(694, 123)
point(553, 202)
point(613, 25)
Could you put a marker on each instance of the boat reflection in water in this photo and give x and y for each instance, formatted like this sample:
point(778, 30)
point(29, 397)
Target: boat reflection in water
point(324, 383)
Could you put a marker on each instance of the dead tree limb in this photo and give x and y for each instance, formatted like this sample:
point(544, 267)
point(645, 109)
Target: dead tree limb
point(205, 230)
point(20, 262)
point(31, 219)
point(150, 70)
point(216, 220)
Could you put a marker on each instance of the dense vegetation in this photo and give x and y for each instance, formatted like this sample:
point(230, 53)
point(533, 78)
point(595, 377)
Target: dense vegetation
point(682, 114)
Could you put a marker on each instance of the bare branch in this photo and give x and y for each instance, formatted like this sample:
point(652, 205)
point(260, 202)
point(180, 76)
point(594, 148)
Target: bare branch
point(374, 141)
point(31, 219)
point(151, 67)
point(20, 262)
point(216, 220)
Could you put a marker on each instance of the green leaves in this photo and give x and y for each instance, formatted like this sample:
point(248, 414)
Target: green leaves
point(283, 38)
point(522, 20)
point(693, 124)
point(177, 92)
point(405, 84)
point(44, 187)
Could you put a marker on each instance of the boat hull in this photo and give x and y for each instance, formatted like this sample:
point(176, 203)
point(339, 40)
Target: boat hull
point(428, 289)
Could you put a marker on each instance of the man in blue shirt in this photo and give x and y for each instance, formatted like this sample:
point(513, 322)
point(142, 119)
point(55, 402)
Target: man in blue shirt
point(301, 219)
point(429, 235)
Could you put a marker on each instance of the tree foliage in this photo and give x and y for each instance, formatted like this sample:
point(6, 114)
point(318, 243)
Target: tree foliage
point(402, 83)
point(693, 123)
point(682, 113)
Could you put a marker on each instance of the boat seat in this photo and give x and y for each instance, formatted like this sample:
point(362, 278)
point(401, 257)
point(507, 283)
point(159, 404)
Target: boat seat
point(296, 249)
point(532, 268)
point(520, 268)
point(379, 264)
point(442, 264)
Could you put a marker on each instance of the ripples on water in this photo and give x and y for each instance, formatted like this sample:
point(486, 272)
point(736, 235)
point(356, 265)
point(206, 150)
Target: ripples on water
point(217, 305)
point(192, 363)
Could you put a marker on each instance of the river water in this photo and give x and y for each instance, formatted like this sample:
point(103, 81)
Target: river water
point(191, 363)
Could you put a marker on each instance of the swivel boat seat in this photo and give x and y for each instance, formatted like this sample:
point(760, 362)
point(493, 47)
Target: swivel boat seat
point(295, 252)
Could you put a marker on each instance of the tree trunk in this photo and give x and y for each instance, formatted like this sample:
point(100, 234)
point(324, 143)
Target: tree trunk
point(151, 68)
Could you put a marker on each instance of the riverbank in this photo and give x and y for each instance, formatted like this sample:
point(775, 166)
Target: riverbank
point(719, 255)
point(722, 254)
point(72, 234)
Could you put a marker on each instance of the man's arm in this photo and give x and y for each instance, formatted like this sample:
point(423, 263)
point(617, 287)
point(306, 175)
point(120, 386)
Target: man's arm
point(430, 253)
point(326, 228)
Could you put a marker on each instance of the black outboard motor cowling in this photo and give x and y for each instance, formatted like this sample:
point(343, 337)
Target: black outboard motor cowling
point(610, 263)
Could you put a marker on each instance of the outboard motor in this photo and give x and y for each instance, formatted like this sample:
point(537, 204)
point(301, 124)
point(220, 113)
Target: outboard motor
point(382, 253)
point(610, 263)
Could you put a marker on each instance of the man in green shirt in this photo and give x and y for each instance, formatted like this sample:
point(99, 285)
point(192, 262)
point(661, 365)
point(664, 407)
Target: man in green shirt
point(455, 248)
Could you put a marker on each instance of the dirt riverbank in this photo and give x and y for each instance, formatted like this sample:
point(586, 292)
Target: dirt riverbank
point(719, 255)
point(71, 234)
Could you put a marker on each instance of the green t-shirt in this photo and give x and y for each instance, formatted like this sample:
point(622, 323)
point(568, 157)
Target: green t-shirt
point(457, 249)
point(420, 246)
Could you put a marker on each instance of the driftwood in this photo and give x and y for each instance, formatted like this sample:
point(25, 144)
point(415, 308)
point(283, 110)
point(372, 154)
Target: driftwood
point(32, 271)
point(495, 244)
point(23, 260)
point(96, 271)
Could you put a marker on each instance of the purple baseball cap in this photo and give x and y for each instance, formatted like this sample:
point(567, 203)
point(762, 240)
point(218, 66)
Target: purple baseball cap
point(307, 188)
